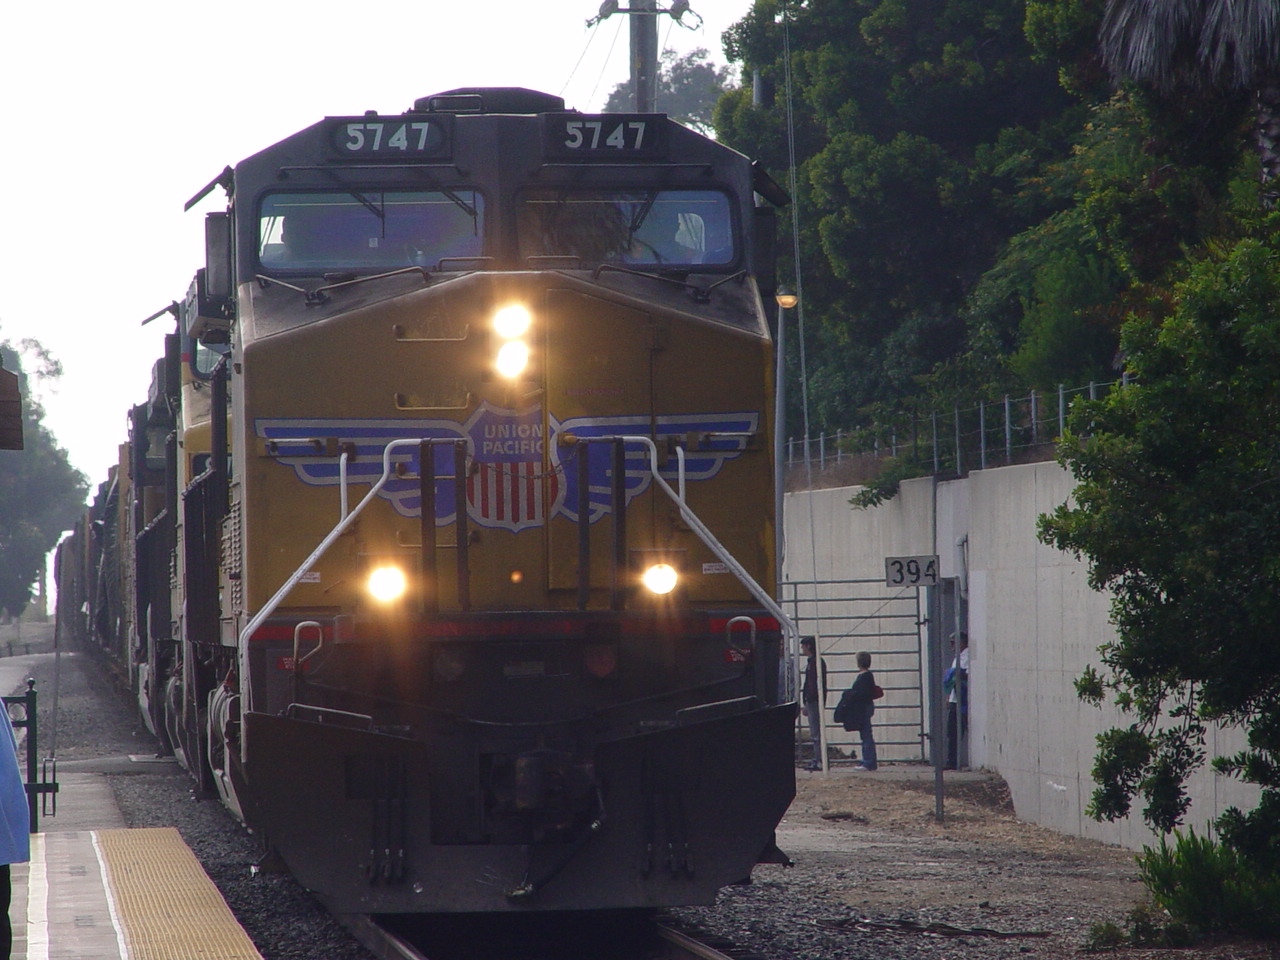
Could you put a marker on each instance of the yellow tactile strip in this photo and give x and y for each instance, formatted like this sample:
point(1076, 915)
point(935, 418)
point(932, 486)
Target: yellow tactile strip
point(167, 906)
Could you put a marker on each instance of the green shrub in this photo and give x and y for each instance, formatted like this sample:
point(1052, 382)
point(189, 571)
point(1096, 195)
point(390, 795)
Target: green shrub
point(1209, 887)
point(1105, 935)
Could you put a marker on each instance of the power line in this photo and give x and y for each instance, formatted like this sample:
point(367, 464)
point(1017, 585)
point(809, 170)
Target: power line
point(605, 65)
point(591, 35)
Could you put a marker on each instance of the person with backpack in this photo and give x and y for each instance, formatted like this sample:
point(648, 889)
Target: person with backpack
point(856, 707)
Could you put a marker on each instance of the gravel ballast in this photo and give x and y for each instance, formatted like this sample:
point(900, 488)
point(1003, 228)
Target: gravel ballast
point(876, 875)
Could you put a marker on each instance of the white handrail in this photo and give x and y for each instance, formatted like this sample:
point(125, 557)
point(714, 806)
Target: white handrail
point(271, 605)
point(707, 537)
point(704, 534)
point(342, 485)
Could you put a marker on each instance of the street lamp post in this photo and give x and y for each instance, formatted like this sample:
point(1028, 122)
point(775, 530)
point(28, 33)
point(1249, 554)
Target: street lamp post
point(786, 300)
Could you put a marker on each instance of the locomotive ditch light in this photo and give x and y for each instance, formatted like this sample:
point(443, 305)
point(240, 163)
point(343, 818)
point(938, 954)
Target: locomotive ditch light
point(660, 578)
point(387, 584)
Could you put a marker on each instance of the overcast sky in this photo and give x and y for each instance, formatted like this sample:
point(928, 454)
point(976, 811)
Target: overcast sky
point(118, 113)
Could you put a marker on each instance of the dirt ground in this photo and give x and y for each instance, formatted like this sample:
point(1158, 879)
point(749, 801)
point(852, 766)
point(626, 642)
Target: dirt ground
point(979, 874)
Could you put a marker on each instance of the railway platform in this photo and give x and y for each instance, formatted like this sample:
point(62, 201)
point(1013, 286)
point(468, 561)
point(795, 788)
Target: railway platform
point(96, 890)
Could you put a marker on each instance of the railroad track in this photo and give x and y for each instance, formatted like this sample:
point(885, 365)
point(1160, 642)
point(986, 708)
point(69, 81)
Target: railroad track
point(653, 940)
point(685, 947)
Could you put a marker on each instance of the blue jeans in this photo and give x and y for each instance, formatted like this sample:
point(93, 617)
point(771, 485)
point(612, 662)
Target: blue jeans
point(868, 746)
point(814, 716)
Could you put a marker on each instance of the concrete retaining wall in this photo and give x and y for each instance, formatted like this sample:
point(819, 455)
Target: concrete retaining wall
point(1034, 625)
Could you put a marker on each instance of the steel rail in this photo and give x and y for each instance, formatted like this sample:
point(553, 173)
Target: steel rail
point(687, 946)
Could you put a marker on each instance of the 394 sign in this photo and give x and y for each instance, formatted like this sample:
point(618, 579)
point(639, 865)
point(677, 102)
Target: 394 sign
point(911, 571)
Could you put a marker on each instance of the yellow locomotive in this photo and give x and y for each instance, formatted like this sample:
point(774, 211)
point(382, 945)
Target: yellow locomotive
point(450, 516)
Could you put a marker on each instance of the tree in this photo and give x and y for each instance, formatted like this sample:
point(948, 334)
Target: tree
point(41, 494)
point(916, 123)
point(687, 89)
point(1177, 510)
point(1222, 45)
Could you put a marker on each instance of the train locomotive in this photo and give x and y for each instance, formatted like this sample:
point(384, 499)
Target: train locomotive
point(442, 548)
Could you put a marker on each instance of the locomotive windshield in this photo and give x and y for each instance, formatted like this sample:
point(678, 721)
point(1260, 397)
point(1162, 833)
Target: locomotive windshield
point(354, 229)
point(665, 227)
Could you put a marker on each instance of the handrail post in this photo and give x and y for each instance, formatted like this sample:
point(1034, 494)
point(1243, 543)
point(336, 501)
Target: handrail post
point(584, 525)
point(618, 494)
point(707, 537)
point(460, 523)
point(429, 589)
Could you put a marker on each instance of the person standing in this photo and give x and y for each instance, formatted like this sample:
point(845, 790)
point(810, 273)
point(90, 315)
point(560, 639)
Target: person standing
point(813, 694)
point(856, 707)
point(956, 683)
point(15, 824)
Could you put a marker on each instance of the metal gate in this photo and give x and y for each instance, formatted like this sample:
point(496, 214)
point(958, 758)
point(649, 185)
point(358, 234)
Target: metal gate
point(844, 617)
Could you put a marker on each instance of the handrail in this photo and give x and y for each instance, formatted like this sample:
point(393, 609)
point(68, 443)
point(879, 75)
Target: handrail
point(342, 485)
point(789, 628)
point(341, 528)
point(706, 536)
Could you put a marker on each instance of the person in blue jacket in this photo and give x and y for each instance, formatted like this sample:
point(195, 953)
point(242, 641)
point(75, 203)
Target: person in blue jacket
point(15, 824)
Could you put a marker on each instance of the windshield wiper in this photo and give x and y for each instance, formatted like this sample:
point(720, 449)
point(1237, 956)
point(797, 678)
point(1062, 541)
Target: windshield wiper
point(637, 221)
point(320, 295)
point(699, 293)
point(377, 210)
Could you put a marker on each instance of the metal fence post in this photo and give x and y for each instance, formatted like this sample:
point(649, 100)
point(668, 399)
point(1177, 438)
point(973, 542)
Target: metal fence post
point(1062, 410)
point(1035, 420)
point(37, 783)
point(959, 458)
point(1008, 432)
point(933, 417)
point(982, 435)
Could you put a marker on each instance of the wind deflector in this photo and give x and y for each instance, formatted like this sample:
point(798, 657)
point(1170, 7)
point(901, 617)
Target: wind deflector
point(767, 187)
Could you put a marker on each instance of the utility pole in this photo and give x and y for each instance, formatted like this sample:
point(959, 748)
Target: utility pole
point(644, 44)
point(644, 54)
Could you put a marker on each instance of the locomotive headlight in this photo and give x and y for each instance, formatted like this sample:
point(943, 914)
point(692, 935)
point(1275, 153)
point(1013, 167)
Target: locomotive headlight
point(387, 584)
point(512, 321)
point(661, 578)
point(513, 358)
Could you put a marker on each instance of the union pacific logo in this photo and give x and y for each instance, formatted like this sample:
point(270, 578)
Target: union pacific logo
point(507, 485)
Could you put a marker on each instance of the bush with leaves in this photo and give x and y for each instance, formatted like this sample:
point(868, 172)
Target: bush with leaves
point(1211, 887)
point(1177, 510)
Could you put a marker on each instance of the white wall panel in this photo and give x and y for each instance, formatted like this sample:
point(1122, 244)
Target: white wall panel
point(1034, 625)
